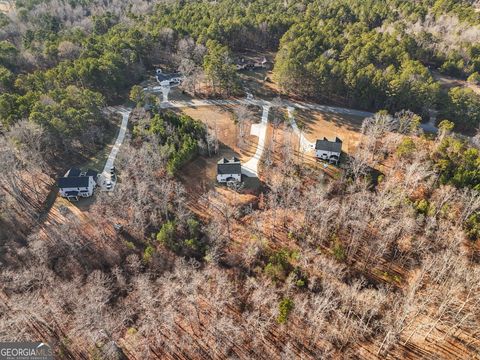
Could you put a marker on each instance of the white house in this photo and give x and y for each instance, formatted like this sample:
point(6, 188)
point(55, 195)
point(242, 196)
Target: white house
point(229, 170)
point(77, 183)
point(328, 150)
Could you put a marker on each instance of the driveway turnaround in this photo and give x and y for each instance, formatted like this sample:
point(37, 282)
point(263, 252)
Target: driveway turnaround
point(113, 154)
point(164, 89)
point(250, 168)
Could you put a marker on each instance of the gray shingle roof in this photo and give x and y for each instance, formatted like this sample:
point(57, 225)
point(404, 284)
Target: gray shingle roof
point(327, 145)
point(226, 166)
point(73, 182)
point(92, 173)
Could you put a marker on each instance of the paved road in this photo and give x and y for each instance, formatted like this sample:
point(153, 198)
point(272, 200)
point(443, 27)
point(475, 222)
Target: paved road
point(329, 109)
point(116, 147)
point(298, 105)
point(250, 168)
point(165, 90)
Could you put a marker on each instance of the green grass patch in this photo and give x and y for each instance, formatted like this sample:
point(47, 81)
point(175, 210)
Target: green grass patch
point(389, 277)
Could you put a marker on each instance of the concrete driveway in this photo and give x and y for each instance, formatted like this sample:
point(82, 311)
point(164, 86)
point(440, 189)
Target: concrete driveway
point(105, 175)
point(305, 145)
point(250, 168)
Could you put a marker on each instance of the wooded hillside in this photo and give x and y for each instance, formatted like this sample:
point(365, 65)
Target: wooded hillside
point(376, 258)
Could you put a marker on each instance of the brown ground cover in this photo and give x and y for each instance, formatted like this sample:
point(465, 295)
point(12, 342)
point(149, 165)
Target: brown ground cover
point(199, 175)
point(317, 124)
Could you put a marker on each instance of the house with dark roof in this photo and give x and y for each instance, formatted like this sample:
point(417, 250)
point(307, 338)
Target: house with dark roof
point(328, 150)
point(229, 170)
point(77, 183)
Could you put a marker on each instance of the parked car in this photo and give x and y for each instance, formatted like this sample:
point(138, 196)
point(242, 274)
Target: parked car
point(108, 185)
point(112, 170)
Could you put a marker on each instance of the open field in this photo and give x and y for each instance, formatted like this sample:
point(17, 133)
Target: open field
point(259, 82)
point(220, 121)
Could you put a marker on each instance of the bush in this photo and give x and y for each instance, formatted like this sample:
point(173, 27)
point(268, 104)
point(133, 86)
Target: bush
point(339, 251)
point(147, 253)
point(300, 283)
point(474, 78)
point(183, 240)
point(422, 206)
point(279, 265)
point(130, 245)
point(472, 226)
point(166, 235)
point(275, 271)
point(193, 227)
point(406, 148)
point(285, 308)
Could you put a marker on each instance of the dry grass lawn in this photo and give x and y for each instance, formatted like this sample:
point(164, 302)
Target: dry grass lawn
point(199, 175)
point(220, 120)
point(317, 124)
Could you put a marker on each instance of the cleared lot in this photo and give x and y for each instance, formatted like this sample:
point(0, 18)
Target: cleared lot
point(220, 122)
point(316, 125)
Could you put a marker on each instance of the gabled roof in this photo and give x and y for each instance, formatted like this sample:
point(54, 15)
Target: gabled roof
point(233, 160)
point(91, 173)
point(327, 145)
point(73, 182)
point(229, 166)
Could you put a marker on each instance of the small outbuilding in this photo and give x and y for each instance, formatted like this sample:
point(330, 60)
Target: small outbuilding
point(229, 170)
point(328, 150)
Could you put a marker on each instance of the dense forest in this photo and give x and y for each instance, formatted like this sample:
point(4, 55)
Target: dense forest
point(380, 261)
point(371, 55)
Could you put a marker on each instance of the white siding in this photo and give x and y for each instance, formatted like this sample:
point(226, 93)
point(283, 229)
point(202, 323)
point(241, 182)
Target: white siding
point(83, 191)
point(325, 155)
point(221, 178)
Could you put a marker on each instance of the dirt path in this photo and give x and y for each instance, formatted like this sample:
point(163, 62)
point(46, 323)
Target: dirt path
point(448, 82)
